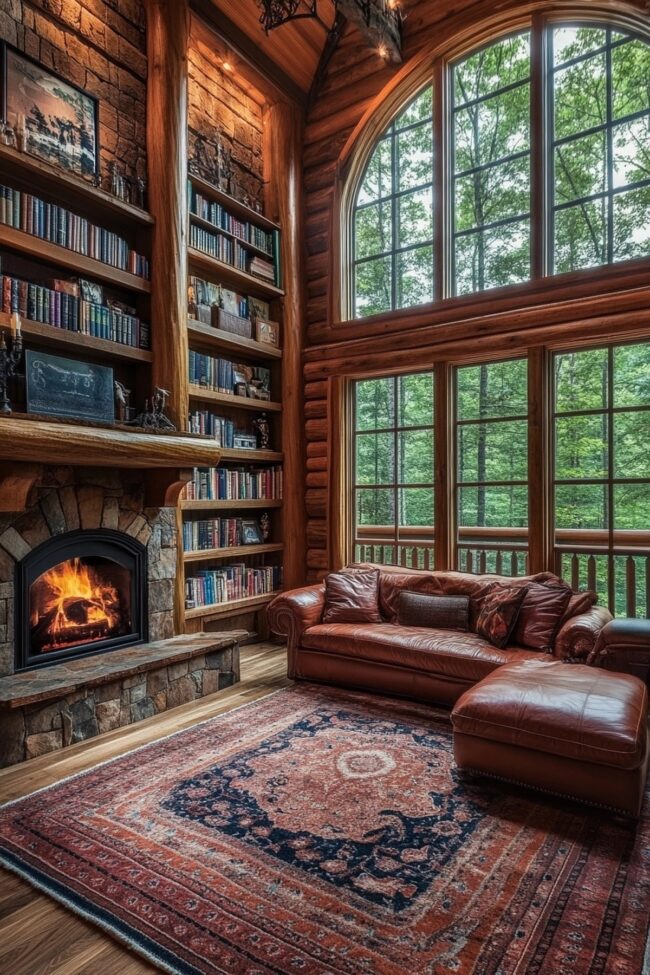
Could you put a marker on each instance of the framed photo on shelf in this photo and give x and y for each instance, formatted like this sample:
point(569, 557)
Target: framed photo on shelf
point(250, 532)
point(267, 332)
point(52, 118)
point(66, 387)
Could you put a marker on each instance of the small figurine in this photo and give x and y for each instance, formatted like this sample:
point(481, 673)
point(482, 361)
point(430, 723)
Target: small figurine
point(265, 525)
point(8, 135)
point(263, 430)
point(141, 192)
point(122, 396)
point(154, 418)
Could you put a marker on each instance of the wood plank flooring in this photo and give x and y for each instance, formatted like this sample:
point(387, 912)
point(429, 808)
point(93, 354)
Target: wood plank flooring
point(37, 936)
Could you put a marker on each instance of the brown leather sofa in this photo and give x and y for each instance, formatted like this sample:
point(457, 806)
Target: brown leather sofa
point(424, 664)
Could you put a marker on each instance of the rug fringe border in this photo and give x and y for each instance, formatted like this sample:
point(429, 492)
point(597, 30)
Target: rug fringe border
point(33, 877)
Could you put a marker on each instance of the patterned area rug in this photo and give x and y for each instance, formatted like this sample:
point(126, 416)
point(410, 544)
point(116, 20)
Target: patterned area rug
point(321, 832)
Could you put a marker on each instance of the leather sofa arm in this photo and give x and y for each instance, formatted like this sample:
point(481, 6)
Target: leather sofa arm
point(577, 638)
point(624, 645)
point(293, 612)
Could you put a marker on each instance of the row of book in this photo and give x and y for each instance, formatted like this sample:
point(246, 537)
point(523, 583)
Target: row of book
point(198, 536)
point(229, 484)
point(54, 223)
point(223, 248)
point(215, 214)
point(217, 374)
point(210, 425)
point(62, 309)
point(210, 587)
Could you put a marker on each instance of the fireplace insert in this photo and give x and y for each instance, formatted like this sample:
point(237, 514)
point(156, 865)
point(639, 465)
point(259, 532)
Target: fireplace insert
point(78, 594)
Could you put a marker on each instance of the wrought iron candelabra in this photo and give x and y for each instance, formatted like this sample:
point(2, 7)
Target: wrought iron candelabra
point(10, 357)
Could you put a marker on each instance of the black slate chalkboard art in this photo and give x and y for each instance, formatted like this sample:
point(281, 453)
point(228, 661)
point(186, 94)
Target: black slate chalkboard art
point(66, 387)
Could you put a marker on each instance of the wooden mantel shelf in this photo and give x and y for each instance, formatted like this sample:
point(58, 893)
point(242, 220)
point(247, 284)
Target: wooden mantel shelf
point(46, 442)
point(27, 445)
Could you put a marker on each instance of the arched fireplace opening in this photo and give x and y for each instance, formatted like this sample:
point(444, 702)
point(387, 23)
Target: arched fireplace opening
point(80, 593)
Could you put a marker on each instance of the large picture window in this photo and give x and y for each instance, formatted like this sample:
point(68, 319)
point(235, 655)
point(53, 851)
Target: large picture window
point(602, 473)
point(393, 470)
point(491, 192)
point(581, 200)
point(492, 467)
point(600, 111)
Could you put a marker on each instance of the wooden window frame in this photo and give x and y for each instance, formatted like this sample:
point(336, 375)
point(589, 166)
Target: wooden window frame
point(435, 68)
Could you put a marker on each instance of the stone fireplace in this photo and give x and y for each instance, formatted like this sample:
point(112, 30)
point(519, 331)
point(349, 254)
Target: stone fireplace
point(86, 568)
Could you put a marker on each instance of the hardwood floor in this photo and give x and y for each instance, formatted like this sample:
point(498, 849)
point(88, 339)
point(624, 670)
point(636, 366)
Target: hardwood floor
point(37, 937)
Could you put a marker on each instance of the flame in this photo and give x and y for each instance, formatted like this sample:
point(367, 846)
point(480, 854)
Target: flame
point(73, 582)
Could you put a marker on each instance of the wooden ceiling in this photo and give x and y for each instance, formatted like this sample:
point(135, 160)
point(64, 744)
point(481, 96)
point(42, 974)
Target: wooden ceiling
point(295, 47)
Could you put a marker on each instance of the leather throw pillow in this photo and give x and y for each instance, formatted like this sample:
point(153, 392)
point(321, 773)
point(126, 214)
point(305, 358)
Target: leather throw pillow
point(540, 616)
point(352, 597)
point(434, 612)
point(499, 612)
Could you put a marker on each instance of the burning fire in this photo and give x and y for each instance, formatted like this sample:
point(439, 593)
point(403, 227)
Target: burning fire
point(76, 604)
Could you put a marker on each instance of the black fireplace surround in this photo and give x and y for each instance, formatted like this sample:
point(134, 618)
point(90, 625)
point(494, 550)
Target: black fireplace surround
point(117, 557)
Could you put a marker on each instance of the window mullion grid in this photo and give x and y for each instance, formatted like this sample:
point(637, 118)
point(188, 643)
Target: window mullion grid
point(397, 472)
point(610, 149)
point(611, 575)
point(538, 160)
point(395, 217)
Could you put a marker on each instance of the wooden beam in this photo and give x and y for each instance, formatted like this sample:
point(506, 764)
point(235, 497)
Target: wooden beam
point(22, 440)
point(381, 29)
point(168, 29)
point(250, 52)
point(282, 153)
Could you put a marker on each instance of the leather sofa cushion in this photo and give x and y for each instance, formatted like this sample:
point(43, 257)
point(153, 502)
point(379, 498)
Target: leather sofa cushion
point(352, 596)
point(434, 612)
point(392, 581)
point(579, 712)
point(540, 616)
point(499, 613)
point(580, 602)
point(462, 656)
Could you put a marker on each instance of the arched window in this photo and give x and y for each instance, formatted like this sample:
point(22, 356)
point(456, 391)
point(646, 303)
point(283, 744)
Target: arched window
point(580, 200)
point(393, 218)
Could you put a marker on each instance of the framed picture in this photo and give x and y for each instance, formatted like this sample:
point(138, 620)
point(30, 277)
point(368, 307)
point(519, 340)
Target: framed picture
point(91, 291)
point(59, 120)
point(250, 532)
point(267, 332)
point(67, 387)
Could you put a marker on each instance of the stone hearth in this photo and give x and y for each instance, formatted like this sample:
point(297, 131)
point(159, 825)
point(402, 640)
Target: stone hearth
point(44, 710)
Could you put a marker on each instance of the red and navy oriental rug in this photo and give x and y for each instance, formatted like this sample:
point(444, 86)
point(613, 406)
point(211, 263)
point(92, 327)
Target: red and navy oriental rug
point(321, 832)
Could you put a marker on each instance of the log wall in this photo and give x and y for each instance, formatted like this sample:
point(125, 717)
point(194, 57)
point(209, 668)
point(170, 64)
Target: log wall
point(601, 304)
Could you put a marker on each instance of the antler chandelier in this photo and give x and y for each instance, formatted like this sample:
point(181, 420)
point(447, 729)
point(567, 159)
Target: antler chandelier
point(380, 21)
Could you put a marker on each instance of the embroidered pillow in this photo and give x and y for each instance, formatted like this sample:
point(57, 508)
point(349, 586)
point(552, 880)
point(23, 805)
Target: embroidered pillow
point(499, 612)
point(352, 597)
point(435, 612)
point(540, 615)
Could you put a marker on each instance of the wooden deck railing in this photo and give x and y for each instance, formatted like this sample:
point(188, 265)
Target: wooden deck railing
point(620, 575)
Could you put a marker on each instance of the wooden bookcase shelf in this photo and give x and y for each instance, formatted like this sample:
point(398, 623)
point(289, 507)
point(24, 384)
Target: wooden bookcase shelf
point(236, 402)
point(199, 261)
point(251, 456)
point(236, 551)
point(50, 335)
point(229, 203)
point(28, 169)
point(217, 610)
point(217, 338)
point(43, 250)
point(248, 504)
point(213, 228)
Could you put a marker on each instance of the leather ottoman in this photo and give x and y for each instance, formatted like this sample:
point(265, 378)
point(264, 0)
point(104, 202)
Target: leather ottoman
point(567, 729)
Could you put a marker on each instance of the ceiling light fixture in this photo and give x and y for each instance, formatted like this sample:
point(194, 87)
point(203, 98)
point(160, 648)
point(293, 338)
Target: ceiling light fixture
point(380, 21)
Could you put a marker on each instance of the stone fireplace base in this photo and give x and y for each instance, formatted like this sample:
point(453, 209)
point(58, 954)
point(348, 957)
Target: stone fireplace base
point(44, 710)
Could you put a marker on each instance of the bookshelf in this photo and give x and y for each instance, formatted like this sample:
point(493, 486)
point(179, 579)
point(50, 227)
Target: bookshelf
point(68, 252)
point(216, 342)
